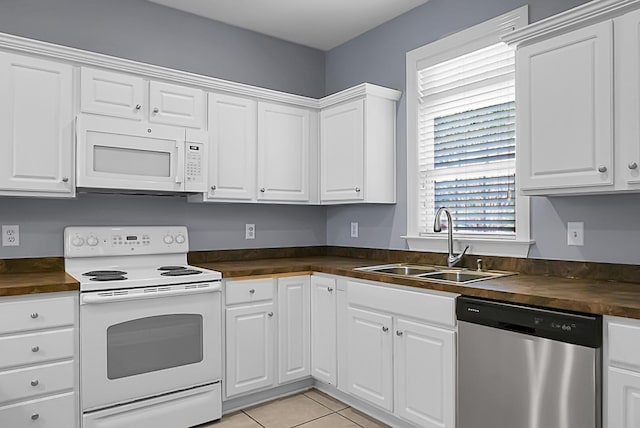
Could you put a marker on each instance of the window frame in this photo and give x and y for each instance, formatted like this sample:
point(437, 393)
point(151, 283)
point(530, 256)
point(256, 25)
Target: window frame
point(463, 42)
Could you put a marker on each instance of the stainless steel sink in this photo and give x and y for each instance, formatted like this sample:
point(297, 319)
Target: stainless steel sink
point(436, 273)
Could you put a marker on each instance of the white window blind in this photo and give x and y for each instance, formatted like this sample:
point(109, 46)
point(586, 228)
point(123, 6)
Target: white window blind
point(466, 147)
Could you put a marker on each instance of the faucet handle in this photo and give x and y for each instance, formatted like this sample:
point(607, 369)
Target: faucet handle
point(454, 260)
point(479, 264)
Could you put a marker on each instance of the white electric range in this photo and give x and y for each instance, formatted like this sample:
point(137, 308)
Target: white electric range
point(150, 328)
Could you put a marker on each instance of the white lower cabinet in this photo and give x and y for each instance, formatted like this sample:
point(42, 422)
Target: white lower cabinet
point(323, 329)
point(294, 333)
point(401, 352)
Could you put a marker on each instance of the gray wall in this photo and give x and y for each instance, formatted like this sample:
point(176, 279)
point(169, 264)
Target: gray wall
point(143, 31)
point(147, 32)
point(612, 233)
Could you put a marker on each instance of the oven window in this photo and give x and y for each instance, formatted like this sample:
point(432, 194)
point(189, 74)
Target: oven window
point(153, 343)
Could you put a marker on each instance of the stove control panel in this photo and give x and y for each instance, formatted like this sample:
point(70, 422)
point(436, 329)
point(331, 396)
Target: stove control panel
point(126, 240)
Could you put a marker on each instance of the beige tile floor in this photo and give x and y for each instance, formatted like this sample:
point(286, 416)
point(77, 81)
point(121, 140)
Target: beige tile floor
point(311, 409)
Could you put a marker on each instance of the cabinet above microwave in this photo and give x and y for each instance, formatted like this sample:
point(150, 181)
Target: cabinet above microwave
point(138, 156)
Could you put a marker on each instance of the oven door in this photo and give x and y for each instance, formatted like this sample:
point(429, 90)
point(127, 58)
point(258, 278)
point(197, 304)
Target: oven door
point(146, 342)
point(122, 154)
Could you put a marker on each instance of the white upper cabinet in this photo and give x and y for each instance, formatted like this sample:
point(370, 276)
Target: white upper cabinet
point(233, 124)
point(132, 97)
point(283, 152)
point(565, 112)
point(36, 127)
point(358, 147)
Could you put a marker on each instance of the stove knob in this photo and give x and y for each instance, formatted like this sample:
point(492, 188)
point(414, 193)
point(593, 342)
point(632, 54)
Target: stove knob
point(180, 239)
point(77, 241)
point(168, 239)
point(92, 241)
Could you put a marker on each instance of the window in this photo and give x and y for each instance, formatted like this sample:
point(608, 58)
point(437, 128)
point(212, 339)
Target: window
point(461, 140)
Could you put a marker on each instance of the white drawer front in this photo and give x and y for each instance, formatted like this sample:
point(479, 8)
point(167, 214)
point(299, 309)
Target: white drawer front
point(624, 344)
point(36, 313)
point(36, 347)
point(21, 384)
point(250, 290)
point(58, 411)
point(434, 308)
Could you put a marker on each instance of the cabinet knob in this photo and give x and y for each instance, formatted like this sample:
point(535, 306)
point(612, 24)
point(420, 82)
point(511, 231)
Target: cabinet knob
point(385, 329)
point(213, 188)
point(357, 189)
point(399, 333)
point(138, 106)
point(35, 416)
point(253, 290)
point(35, 349)
point(262, 190)
point(270, 314)
point(602, 169)
point(65, 179)
point(34, 315)
point(156, 109)
point(35, 382)
point(329, 289)
point(633, 165)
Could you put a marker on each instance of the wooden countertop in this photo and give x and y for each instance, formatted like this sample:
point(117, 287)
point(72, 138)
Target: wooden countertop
point(15, 284)
point(580, 295)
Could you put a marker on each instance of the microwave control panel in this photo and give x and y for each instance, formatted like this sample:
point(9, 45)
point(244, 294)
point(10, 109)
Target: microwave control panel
point(194, 157)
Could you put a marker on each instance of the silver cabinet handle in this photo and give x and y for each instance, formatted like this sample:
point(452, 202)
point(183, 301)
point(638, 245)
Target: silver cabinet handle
point(385, 329)
point(329, 289)
point(633, 165)
point(213, 188)
point(262, 190)
point(35, 416)
point(602, 169)
point(270, 314)
point(156, 109)
point(399, 333)
point(357, 189)
point(35, 349)
point(34, 315)
point(253, 290)
point(65, 179)
point(35, 382)
point(138, 106)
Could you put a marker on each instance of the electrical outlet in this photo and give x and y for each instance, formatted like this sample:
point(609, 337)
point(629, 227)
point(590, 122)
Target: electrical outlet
point(354, 229)
point(249, 231)
point(10, 235)
point(575, 233)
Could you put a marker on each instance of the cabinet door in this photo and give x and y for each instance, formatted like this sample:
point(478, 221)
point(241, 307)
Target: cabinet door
point(342, 152)
point(627, 109)
point(112, 94)
point(250, 348)
point(424, 374)
point(370, 356)
point(176, 105)
point(36, 127)
point(565, 93)
point(294, 349)
point(323, 329)
point(283, 153)
point(623, 403)
point(233, 124)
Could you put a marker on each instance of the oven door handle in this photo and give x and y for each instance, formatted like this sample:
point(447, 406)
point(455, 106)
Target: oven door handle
point(106, 297)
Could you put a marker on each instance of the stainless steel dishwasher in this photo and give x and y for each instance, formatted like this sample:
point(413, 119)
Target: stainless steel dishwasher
point(525, 367)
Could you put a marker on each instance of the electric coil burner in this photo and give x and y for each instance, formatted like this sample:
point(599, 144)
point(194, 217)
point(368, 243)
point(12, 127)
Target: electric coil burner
point(150, 328)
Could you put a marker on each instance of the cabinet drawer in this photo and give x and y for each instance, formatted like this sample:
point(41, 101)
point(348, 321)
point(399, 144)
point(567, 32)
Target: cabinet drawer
point(58, 411)
point(36, 347)
point(250, 290)
point(21, 384)
point(36, 314)
point(624, 344)
point(433, 308)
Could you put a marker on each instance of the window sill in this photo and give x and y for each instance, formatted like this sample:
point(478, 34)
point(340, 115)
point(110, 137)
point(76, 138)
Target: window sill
point(504, 247)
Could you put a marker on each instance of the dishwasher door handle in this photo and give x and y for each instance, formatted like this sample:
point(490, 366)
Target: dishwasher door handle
point(517, 328)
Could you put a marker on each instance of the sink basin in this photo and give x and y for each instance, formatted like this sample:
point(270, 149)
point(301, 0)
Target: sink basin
point(436, 273)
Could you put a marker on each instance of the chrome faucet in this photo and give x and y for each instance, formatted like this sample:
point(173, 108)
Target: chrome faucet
point(452, 259)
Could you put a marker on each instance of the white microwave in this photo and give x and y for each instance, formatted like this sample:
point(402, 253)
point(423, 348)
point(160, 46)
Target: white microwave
point(114, 153)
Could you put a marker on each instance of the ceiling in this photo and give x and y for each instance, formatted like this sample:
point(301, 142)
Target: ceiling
point(321, 24)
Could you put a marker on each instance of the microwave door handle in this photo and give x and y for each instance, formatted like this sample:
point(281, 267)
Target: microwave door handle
point(180, 146)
